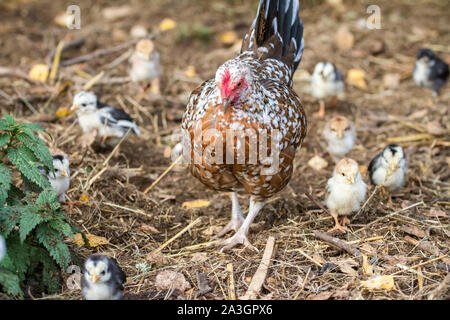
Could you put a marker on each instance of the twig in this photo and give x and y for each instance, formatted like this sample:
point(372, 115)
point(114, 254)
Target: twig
point(102, 52)
point(421, 264)
point(93, 81)
point(163, 174)
point(367, 201)
point(308, 257)
point(260, 275)
point(317, 203)
point(339, 243)
point(10, 72)
point(193, 223)
point(303, 284)
point(56, 61)
point(231, 286)
point(72, 44)
point(24, 100)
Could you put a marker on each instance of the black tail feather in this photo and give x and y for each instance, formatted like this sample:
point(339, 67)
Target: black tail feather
point(277, 17)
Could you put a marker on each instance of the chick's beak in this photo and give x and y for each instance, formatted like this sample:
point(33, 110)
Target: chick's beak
point(64, 173)
point(340, 134)
point(393, 167)
point(351, 179)
point(74, 107)
point(94, 277)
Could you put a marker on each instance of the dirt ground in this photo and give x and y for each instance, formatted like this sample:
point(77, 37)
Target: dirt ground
point(412, 230)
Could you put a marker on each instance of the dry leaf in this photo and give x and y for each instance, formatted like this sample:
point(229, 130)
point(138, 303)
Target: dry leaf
point(363, 169)
point(84, 198)
point(391, 80)
point(435, 213)
point(148, 228)
point(190, 72)
point(434, 127)
point(379, 283)
point(415, 231)
point(346, 265)
point(157, 258)
point(317, 163)
point(195, 204)
point(63, 112)
point(113, 13)
point(356, 77)
point(211, 230)
point(344, 39)
point(39, 72)
point(367, 267)
point(168, 279)
point(418, 114)
point(318, 258)
point(93, 240)
point(198, 257)
point(228, 38)
point(167, 24)
point(325, 295)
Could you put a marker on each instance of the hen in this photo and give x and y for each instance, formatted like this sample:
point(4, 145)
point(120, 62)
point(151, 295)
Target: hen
point(243, 127)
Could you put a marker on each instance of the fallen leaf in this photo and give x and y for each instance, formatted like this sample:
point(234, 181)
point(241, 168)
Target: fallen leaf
point(367, 267)
point(157, 258)
point(356, 77)
point(391, 80)
point(344, 39)
point(167, 24)
point(211, 230)
point(362, 169)
point(318, 258)
point(415, 231)
point(346, 265)
point(190, 72)
point(379, 283)
point(39, 72)
point(418, 114)
point(195, 204)
point(198, 257)
point(434, 127)
point(113, 13)
point(325, 295)
point(317, 163)
point(63, 112)
point(148, 228)
point(169, 279)
point(84, 198)
point(435, 213)
point(93, 240)
point(228, 37)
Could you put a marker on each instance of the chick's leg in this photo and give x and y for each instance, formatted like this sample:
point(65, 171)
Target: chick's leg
point(337, 226)
point(321, 112)
point(240, 237)
point(237, 218)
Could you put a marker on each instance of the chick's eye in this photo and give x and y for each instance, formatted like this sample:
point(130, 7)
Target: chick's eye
point(83, 104)
point(346, 129)
point(102, 273)
point(343, 174)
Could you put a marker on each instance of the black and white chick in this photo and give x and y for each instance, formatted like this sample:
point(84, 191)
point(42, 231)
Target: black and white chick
point(2, 247)
point(430, 71)
point(145, 65)
point(103, 279)
point(388, 168)
point(95, 115)
point(326, 81)
point(346, 192)
point(340, 135)
point(60, 178)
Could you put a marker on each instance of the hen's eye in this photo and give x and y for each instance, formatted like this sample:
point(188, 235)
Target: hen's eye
point(239, 84)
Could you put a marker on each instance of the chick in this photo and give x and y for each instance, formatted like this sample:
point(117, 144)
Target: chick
point(340, 135)
point(326, 81)
point(430, 71)
point(145, 65)
point(346, 192)
point(2, 247)
point(95, 115)
point(60, 178)
point(103, 279)
point(388, 168)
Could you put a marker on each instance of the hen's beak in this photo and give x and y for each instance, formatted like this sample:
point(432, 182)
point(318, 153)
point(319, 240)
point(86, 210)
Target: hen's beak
point(75, 107)
point(340, 134)
point(226, 102)
point(94, 277)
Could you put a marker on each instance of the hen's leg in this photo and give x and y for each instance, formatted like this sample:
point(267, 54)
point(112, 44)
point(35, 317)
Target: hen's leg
point(237, 218)
point(240, 237)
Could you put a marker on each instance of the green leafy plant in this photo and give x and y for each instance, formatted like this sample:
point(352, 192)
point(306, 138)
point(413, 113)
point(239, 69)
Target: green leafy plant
point(32, 221)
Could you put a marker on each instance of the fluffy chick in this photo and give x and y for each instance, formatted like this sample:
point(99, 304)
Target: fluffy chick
point(95, 115)
point(346, 192)
point(326, 81)
point(60, 179)
point(2, 247)
point(145, 65)
point(388, 168)
point(430, 71)
point(340, 135)
point(103, 279)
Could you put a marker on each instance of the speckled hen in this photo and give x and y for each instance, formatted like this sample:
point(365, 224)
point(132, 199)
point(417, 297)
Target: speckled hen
point(250, 95)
